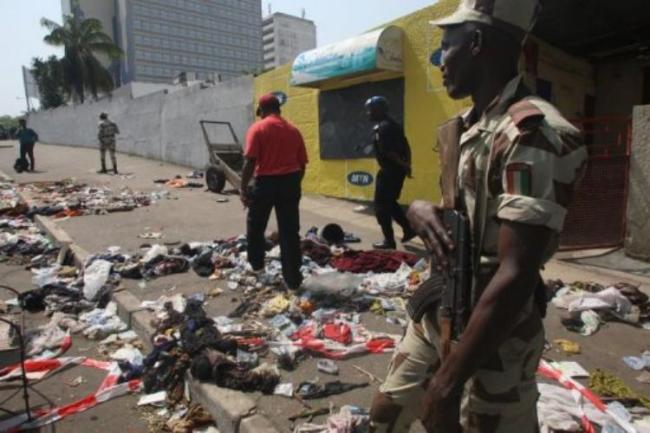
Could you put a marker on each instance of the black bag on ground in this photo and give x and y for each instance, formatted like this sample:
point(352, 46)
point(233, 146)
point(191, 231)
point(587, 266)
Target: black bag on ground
point(21, 165)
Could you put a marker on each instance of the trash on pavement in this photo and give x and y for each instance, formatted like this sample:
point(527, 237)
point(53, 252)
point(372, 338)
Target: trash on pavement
point(76, 381)
point(312, 391)
point(638, 362)
point(284, 389)
point(608, 385)
point(156, 399)
point(95, 276)
point(128, 354)
point(571, 369)
point(567, 346)
point(151, 235)
point(585, 301)
point(558, 410)
point(327, 366)
point(644, 377)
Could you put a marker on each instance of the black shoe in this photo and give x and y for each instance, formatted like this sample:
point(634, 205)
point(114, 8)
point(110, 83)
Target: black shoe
point(384, 245)
point(115, 171)
point(102, 171)
point(408, 236)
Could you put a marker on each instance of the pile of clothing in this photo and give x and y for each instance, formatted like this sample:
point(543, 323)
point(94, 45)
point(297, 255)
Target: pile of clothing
point(186, 339)
point(67, 198)
point(590, 305)
point(22, 243)
point(11, 204)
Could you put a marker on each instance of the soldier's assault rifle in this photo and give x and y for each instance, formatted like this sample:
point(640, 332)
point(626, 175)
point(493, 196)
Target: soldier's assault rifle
point(456, 299)
point(448, 290)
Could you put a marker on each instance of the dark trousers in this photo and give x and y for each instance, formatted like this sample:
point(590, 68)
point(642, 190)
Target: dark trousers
point(27, 149)
point(281, 193)
point(388, 188)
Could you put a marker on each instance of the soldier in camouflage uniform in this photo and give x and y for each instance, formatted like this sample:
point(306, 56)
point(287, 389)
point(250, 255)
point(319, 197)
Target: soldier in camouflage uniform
point(107, 132)
point(514, 161)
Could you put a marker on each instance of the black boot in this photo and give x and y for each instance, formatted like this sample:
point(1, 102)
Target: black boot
point(115, 168)
point(103, 170)
point(409, 235)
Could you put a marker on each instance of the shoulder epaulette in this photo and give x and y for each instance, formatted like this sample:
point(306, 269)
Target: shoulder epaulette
point(525, 111)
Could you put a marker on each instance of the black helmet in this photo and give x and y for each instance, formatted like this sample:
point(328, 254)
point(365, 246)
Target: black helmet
point(377, 101)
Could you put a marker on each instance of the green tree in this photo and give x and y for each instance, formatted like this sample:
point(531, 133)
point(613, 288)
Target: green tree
point(82, 40)
point(49, 78)
point(8, 122)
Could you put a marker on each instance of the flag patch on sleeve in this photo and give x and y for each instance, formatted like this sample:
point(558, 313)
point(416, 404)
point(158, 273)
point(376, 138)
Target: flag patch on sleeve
point(519, 179)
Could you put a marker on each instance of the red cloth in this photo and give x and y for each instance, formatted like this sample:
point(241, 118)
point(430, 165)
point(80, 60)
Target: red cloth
point(277, 147)
point(360, 262)
point(338, 332)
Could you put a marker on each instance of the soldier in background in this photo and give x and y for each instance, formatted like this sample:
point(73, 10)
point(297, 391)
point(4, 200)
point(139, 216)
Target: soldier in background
point(511, 164)
point(107, 132)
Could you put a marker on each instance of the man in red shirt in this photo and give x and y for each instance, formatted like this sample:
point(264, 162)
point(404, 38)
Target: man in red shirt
point(276, 157)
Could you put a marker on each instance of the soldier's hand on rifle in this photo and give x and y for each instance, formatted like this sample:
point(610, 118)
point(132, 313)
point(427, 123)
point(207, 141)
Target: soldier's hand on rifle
point(425, 220)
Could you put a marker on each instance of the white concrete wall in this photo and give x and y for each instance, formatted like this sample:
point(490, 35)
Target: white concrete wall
point(637, 242)
point(162, 126)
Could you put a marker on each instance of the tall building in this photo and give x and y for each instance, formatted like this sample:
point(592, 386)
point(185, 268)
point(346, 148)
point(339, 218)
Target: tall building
point(161, 39)
point(284, 37)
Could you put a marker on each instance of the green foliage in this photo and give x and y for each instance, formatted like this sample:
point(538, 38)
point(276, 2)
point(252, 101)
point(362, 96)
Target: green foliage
point(8, 122)
point(81, 40)
point(49, 78)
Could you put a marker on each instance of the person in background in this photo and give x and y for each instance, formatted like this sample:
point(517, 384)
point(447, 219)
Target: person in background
point(106, 135)
point(276, 157)
point(393, 155)
point(27, 138)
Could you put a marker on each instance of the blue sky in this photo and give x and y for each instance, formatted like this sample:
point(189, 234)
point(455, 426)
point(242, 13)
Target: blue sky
point(21, 36)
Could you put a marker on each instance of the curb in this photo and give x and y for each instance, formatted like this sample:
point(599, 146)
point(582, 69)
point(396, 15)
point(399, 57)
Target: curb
point(233, 411)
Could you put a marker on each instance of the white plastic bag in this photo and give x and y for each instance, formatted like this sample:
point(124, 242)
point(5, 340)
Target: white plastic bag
point(44, 276)
point(95, 276)
point(155, 251)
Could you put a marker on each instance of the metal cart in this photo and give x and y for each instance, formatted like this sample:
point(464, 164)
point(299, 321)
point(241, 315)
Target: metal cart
point(226, 156)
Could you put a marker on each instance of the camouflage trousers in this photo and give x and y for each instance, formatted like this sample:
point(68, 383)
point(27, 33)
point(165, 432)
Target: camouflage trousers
point(500, 398)
point(110, 147)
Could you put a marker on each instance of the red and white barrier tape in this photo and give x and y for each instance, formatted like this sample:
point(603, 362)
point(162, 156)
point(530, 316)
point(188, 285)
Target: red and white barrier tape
point(579, 393)
point(108, 390)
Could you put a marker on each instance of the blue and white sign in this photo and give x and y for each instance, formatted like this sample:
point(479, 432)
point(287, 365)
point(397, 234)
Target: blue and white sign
point(380, 50)
point(360, 178)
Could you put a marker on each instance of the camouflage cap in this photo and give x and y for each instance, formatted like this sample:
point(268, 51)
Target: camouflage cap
point(512, 15)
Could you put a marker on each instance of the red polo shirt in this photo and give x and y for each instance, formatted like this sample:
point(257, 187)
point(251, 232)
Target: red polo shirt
point(277, 147)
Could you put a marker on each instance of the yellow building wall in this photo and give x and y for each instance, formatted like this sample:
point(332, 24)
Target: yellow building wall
point(426, 105)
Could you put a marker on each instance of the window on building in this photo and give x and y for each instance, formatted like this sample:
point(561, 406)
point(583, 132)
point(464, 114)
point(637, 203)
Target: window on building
point(343, 130)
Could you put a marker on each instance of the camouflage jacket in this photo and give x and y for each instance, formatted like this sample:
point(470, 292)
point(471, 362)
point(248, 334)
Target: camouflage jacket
point(107, 132)
point(519, 162)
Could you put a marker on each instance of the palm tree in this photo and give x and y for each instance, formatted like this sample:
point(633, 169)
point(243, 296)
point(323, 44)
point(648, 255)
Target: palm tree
point(81, 40)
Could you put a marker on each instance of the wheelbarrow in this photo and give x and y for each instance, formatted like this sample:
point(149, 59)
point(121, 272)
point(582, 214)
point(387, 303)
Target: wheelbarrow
point(226, 156)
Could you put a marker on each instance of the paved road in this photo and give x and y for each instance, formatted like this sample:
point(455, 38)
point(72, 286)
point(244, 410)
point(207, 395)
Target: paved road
point(196, 215)
point(119, 415)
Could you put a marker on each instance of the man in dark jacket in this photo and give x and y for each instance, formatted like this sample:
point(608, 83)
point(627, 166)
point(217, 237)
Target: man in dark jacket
point(27, 137)
point(394, 158)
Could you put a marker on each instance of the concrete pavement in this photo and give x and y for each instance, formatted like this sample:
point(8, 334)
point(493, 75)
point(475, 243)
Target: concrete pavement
point(196, 215)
